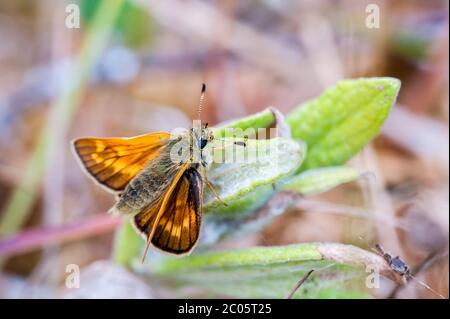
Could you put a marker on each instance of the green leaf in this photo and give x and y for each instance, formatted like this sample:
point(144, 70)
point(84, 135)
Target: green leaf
point(263, 119)
point(247, 184)
point(271, 272)
point(343, 119)
point(320, 180)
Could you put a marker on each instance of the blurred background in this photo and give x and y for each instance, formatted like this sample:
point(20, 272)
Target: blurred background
point(138, 66)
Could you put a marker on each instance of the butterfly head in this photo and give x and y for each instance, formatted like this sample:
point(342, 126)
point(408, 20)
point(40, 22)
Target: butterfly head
point(203, 136)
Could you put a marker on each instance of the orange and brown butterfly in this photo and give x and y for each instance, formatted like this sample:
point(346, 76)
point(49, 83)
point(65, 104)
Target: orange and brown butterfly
point(157, 177)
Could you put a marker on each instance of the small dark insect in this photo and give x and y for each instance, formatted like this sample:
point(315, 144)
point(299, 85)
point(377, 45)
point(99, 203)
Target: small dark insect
point(396, 264)
point(401, 267)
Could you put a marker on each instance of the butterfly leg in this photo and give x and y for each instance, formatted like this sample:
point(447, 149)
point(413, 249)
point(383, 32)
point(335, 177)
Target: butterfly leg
point(210, 185)
point(214, 191)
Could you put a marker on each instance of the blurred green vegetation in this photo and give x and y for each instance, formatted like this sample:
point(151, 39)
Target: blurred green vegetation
point(134, 24)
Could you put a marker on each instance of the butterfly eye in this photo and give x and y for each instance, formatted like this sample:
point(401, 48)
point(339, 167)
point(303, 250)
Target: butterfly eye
point(203, 143)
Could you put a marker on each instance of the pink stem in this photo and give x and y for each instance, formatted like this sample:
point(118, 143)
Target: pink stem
point(37, 238)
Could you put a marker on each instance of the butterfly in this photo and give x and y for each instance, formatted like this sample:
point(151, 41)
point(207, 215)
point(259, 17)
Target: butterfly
point(159, 178)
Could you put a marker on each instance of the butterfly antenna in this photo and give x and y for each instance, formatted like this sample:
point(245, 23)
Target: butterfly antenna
point(427, 287)
point(202, 97)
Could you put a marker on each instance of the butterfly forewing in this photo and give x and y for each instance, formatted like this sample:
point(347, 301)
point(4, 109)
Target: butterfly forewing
point(113, 162)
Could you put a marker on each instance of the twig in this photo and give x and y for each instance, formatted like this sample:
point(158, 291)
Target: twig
point(316, 206)
point(380, 203)
point(299, 284)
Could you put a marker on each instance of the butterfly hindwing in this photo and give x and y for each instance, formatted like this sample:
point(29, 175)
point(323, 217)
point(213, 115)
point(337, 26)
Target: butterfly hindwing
point(178, 220)
point(113, 162)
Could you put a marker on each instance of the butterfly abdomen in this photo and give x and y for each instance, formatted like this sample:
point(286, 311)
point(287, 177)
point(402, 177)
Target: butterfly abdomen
point(148, 186)
point(142, 191)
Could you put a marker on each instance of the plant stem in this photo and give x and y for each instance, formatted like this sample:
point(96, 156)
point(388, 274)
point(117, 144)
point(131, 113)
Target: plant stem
point(44, 237)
